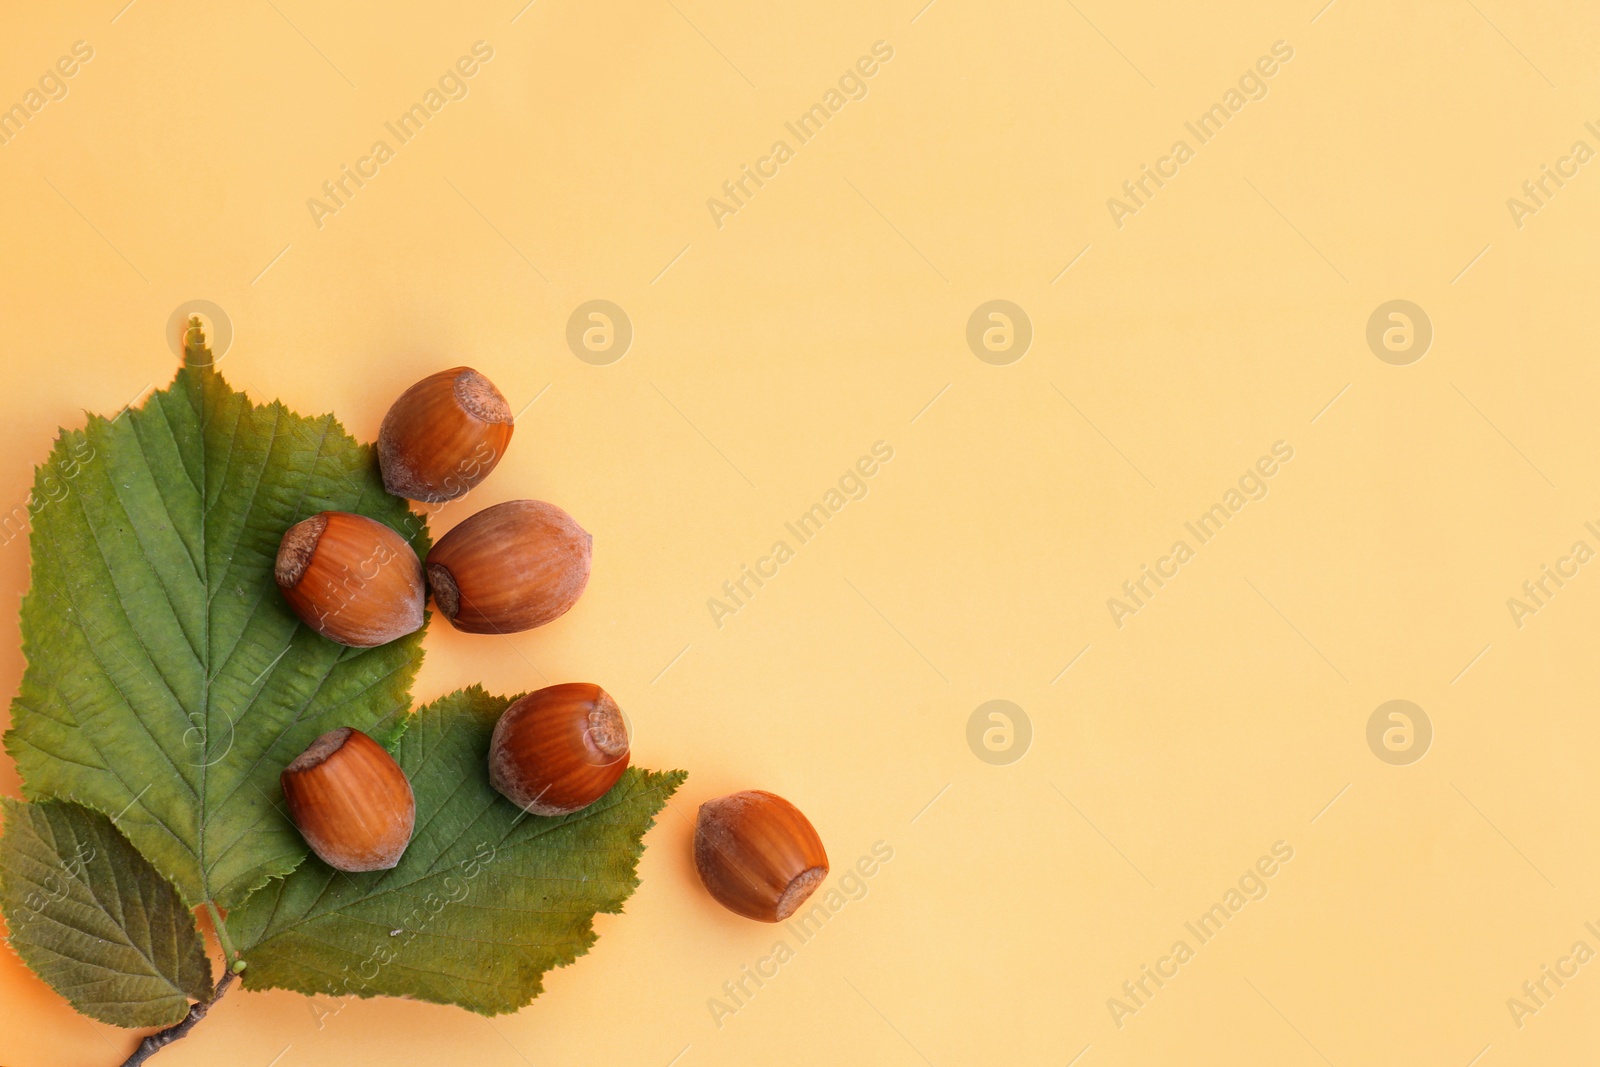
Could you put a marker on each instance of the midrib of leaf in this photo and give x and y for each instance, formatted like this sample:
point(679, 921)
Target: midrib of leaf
point(207, 502)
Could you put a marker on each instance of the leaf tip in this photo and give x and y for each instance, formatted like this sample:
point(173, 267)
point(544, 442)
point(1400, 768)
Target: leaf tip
point(196, 353)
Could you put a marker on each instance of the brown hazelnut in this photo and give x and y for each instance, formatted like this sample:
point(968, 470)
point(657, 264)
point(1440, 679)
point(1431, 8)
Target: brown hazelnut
point(757, 854)
point(351, 801)
point(350, 578)
point(559, 749)
point(511, 567)
point(443, 436)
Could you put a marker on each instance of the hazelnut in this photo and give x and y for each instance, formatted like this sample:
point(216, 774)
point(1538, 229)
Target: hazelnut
point(757, 854)
point(350, 578)
point(443, 436)
point(511, 567)
point(351, 801)
point(559, 749)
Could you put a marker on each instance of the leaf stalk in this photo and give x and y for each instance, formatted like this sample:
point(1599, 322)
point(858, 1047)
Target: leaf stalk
point(229, 953)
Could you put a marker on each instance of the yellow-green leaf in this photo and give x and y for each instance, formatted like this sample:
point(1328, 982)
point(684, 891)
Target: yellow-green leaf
point(92, 918)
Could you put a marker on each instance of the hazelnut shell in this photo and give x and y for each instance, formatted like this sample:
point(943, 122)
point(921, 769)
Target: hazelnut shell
point(558, 750)
point(443, 436)
point(758, 855)
point(350, 578)
point(351, 801)
point(508, 568)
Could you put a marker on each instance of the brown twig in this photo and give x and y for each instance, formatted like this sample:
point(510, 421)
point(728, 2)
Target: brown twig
point(162, 1038)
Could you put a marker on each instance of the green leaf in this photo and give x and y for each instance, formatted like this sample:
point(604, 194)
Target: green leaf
point(485, 900)
point(167, 682)
point(95, 920)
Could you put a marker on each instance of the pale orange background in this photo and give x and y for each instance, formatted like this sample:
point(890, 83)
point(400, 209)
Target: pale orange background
point(824, 317)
